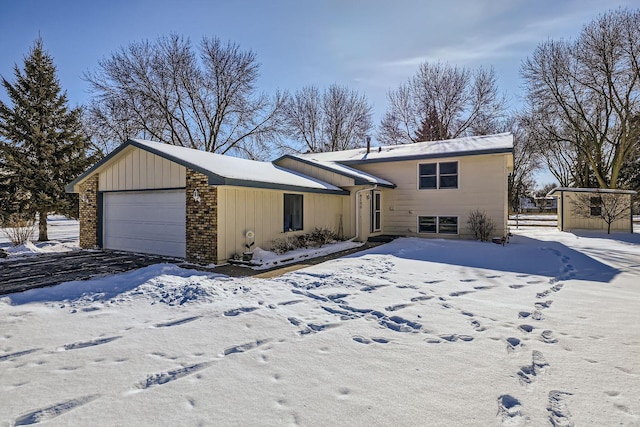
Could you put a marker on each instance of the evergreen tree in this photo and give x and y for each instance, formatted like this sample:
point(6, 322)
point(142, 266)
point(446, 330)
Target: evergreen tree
point(431, 128)
point(42, 147)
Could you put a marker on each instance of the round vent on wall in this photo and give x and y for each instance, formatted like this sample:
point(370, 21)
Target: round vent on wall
point(249, 234)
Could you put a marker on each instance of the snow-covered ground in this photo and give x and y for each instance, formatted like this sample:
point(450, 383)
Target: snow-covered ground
point(414, 332)
point(63, 236)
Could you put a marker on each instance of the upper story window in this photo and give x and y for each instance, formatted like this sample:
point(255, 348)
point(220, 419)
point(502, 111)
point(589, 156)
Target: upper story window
point(438, 175)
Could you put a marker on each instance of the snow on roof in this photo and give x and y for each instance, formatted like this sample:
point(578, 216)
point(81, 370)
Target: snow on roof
point(359, 177)
point(557, 190)
point(485, 144)
point(234, 170)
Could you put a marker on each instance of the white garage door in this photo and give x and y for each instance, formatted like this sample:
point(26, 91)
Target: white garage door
point(150, 222)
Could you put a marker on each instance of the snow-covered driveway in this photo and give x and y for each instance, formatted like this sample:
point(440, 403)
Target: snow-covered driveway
point(415, 332)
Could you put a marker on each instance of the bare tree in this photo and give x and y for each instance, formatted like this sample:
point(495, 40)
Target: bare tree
point(582, 97)
point(610, 207)
point(526, 161)
point(336, 119)
point(168, 92)
point(441, 102)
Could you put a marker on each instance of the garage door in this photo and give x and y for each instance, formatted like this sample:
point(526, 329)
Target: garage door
point(150, 222)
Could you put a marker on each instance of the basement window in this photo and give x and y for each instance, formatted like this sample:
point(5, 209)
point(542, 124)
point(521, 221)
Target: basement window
point(438, 224)
point(292, 212)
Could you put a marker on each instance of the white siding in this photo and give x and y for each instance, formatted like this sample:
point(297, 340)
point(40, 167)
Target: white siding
point(482, 184)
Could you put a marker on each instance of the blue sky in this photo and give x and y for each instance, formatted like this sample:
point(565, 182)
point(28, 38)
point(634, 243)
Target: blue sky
point(368, 45)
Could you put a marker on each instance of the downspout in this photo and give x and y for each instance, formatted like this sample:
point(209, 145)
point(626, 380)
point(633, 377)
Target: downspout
point(358, 209)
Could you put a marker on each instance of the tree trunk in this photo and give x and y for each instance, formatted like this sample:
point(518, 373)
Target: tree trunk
point(42, 227)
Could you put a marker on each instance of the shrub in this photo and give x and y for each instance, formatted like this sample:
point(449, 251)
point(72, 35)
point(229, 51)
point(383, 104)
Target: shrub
point(322, 236)
point(481, 225)
point(19, 229)
point(317, 238)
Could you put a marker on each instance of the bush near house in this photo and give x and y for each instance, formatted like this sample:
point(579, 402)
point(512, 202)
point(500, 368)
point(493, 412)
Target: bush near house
point(481, 225)
point(317, 238)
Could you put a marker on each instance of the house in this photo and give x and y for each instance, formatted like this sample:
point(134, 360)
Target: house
point(594, 209)
point(163, 199)
point(538, 204)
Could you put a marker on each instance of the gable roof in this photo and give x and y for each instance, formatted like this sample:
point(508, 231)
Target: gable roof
point(359, 177)
point(223, 170)
point(473, 145)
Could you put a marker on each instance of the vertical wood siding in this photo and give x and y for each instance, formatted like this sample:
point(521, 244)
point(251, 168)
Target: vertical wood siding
point(318, 173)
point(137, 169)
point(262, 211)
point(574, 221)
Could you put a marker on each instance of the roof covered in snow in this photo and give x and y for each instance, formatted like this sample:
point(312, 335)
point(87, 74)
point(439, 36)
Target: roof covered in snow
point(224, 170)
point(486, 144)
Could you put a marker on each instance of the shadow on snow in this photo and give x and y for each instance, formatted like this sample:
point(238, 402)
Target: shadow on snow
point(523, 255)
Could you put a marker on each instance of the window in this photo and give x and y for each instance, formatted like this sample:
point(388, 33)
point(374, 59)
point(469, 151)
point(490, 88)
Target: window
point(376, 211)
point(292, 212)
point(438, 175)
point(427, 224)
point(448, 225)
point(595, 205)
point(448, 175)
point(428, 175)
point(438, 224)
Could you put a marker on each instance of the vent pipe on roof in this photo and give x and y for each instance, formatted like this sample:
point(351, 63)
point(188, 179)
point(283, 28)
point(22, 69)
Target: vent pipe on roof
point(368, 144)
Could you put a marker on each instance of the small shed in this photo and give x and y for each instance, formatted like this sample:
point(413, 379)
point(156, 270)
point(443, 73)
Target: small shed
point(594, 209)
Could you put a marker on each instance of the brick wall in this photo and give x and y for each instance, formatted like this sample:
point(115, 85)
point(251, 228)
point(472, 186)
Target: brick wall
point(202, 220)
point(89, 213)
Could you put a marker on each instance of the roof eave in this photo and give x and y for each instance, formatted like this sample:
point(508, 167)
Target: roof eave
point(426, 156)
point(276, 186)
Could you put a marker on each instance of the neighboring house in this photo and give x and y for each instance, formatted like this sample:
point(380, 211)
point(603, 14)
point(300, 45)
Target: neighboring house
point(538, 204)
point(163, 199)
point(587, 208)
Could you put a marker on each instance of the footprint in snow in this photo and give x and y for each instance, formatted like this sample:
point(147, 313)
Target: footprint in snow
point(245, 347)
point(509, 409)
point(559, 414)
point(460, 293)
point(526, 328)
point(17, 354)
point(421, 298)
point(513, 343)
point(363, 340)
point(397, 307)
point(84, 344)
point(547, 337)
point(50, 412)
point(543, 305)
point(237, 311)
point(477, 326)
point(176, 322)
